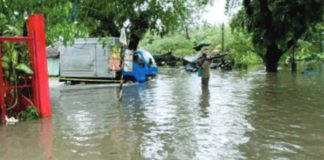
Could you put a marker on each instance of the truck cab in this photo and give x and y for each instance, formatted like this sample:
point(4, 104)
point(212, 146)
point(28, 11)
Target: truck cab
point(143, 67)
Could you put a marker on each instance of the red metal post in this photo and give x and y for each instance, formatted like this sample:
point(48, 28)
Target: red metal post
point(36, 30)
point(2, 102)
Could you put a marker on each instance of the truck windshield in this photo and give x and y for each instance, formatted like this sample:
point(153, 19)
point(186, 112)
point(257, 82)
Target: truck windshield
point(149, 58)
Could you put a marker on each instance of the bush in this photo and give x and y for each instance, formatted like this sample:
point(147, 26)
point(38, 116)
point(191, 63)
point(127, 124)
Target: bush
point(29, 114)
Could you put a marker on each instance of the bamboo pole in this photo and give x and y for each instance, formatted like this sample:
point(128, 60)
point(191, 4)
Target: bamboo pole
point(122, 64)
point(123, 41)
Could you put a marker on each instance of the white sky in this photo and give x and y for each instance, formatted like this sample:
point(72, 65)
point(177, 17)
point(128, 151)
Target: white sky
point(215, 14)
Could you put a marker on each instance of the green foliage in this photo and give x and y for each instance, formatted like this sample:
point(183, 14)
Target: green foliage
point(24, 68)
point(276, 26)
point(238, 45)
point(15, 62)
point(29, 114)
point(66, 19)
point(13, 16)
point(161, 17)
point(309, 48)
point(177, 43)
point(240, 49)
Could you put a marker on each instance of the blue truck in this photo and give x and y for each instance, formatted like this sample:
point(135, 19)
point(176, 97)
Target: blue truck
point(91, 60)
point(144, 67)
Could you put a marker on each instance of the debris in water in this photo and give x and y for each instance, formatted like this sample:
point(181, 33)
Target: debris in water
point(11, 120)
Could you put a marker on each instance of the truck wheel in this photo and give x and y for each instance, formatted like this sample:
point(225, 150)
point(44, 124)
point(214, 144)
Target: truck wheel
point(129, 80)
point(74, 82)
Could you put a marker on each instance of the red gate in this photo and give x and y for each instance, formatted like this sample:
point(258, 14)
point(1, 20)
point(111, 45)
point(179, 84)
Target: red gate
point(37, 50)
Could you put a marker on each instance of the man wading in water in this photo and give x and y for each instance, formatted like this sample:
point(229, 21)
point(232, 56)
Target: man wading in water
point(205, 71)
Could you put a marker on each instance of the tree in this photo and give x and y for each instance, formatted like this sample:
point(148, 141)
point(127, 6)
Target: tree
point(276, 25)
point(59, 24)
point(66, 19)
point(158, 16)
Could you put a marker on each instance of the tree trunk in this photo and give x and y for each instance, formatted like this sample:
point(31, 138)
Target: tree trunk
point(133, 42)
point(138, 28)
point(187, 33)
point(272, 58)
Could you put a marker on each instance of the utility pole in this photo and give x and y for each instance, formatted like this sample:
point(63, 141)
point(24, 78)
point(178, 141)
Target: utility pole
point(293, 61)
point(321, 42)
point(223, 37)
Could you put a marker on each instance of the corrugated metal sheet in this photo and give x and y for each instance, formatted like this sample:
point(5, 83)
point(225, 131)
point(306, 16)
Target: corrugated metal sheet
point(88, 58)
point(53, 66)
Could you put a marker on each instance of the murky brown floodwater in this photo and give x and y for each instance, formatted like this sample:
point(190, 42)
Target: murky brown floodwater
point(243, 115)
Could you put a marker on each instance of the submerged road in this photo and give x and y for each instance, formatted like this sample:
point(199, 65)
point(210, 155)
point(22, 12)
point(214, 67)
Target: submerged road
point(242, 115)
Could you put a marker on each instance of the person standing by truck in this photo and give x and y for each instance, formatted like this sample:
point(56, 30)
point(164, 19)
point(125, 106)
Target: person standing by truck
point(205, 70)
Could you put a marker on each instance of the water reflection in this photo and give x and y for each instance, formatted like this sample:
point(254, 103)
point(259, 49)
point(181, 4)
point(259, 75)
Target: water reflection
point(204, 101)
point(27, 140)
point(241, 115)
point(169, 118)
point(286, 115)
point(169, 110)
point(92, 125)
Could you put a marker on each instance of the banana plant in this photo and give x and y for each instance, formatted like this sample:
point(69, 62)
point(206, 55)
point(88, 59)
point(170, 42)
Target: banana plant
point(16, 65)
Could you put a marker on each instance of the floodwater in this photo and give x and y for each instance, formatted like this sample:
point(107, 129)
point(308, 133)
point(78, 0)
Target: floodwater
point(242, 115)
